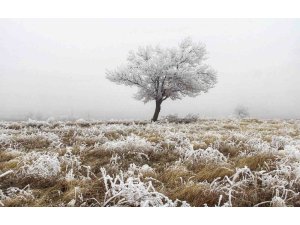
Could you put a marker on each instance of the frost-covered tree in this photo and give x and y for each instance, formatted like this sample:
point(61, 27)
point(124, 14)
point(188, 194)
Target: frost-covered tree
point(166, 73)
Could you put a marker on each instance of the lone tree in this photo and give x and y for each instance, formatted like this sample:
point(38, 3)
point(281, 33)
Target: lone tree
point(162, 73)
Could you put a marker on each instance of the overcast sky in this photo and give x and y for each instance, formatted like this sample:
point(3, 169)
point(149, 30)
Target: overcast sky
point(55, 68)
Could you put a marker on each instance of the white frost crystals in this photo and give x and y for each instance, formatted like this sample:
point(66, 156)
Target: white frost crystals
point(209, 162)
point(132, 143)
point(162, 73)
point(14, 192)
point(166, 73)
point(209, 155)
point(40, 165)
point(124, 190)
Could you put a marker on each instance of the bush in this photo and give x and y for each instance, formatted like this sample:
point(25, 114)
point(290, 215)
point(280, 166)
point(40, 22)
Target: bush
point(241, 112)
point(190, 118)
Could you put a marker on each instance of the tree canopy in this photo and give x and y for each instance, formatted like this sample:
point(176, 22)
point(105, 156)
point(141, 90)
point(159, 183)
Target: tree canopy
point(162, 73)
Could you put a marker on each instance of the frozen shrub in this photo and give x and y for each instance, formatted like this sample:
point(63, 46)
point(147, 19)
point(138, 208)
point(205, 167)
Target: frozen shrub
point(131, 191)
point(276, 181)
point(91, 140)
point(187, 119)
point(14, 126)
point(5, 140)
point(50, 120)
point(279, 141)
point(69, 159)
point(292, 152)
point(82, 123)
point(208, 155)
point(133, 169)
point(172, 118)
point(212, 138)
point(40, 165)
point(178, 140)
point(146, 169)
point(190, 118)
point(71, 163)
point(257, 144)
point(278, 202)
point(238, 137)
point(13, 193)
point(130, 143)
point(54, 139)
point(270, 180)
point(229, 186)
point(241, 112)
point(36, 123)
point(32, 141)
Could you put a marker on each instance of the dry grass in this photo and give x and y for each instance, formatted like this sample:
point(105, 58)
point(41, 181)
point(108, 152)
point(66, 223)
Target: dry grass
point(256, 162)
point(162, 156)
point(211, 172)
point(197, 195)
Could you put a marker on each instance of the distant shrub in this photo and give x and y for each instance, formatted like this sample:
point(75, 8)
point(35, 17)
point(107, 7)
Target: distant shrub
point(14, 126)
point(82, 123)
point(241, 112)
point(190, 118)
point(36, 123)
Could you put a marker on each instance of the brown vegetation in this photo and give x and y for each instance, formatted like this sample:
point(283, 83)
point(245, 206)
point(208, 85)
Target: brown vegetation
point(160, 153)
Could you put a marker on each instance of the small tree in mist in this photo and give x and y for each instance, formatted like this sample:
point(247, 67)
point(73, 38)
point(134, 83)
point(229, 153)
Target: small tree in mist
point(166, 73)
point(241, 111)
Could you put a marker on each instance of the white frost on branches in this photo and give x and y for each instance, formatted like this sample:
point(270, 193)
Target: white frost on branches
point(161, 73)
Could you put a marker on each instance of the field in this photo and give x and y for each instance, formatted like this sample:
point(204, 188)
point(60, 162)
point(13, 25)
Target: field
point(225, 162)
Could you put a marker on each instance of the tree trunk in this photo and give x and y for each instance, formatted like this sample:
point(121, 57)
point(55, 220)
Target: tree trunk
point(157, 110)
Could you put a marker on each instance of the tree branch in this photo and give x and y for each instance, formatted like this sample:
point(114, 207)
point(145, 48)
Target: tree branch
point(165, 98)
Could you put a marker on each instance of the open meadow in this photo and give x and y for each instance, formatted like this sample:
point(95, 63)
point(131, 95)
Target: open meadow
point(226, 162)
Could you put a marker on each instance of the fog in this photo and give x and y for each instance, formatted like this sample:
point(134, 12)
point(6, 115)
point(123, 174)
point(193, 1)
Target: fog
point(56, 67)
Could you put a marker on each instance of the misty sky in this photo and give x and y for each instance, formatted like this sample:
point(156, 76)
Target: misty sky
point(56, 68)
